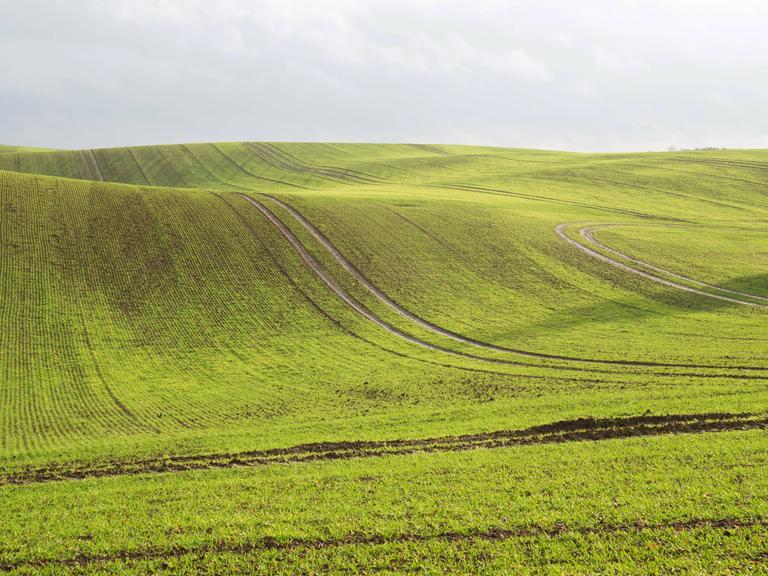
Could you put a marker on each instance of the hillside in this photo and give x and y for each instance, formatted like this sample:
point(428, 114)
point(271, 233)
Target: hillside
point(224, 345)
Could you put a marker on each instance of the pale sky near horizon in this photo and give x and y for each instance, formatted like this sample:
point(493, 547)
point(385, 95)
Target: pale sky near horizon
point(605, 75)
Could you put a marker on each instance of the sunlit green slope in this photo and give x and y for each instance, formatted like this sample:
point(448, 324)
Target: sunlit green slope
point(183, 306)
point(162, 311)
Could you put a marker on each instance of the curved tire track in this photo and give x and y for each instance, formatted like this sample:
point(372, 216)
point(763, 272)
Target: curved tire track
point(381, 296)
point(336, 288)
point(587, 233)
point(560, 231)
point(278, 158)
point(330, 318)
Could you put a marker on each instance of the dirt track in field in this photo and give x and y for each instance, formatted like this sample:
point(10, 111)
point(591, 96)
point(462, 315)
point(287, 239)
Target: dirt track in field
point(91, 164)
point(336, 288)
point(278, 158)
point(560, 231)
point(493, 534)
point(588, 234)
point(582, 429)
point(382, 297)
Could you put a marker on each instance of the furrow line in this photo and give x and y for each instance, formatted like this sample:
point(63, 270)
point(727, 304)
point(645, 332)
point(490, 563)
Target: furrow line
point(491, 534)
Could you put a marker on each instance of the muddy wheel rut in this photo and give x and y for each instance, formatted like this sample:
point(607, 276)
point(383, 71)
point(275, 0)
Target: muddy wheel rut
point(581, 429)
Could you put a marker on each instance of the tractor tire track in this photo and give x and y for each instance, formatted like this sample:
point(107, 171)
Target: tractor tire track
point(381, 296)
point(251, 174)
point(432, 149)
point(588, 234)
point(578, 430)
point(336, 322)
point(281, 160)
point(267, 156)
point(451, 249)
point(336, 288)
point(560, 231)
point(492, 534)
point(138, 165)
point(362, 177)
point(717, 203)
point(694, 173)
point(91, 165)
point(723, 162)
point(325, 314)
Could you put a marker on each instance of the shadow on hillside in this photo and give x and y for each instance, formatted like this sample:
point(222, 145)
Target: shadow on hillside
point(756, 285)
point(661, 301)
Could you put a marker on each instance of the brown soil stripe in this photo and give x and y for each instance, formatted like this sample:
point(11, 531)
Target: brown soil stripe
point(404, 312)
point(355, 539)
point(582, 429)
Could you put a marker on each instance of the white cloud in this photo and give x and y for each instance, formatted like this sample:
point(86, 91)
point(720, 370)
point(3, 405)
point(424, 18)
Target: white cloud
point(563, 74)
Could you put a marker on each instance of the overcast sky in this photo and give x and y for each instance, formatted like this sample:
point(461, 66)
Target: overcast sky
point(558, 74)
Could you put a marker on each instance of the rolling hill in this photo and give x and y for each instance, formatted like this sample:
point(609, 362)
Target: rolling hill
point(280, 358)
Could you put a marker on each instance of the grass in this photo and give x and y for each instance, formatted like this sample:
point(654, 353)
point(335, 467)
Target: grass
point(152, 314)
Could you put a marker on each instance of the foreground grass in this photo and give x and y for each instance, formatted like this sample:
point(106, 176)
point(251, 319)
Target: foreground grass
point(670, 502)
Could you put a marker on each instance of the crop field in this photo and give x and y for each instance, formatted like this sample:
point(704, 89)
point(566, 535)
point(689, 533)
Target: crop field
point(290, 358)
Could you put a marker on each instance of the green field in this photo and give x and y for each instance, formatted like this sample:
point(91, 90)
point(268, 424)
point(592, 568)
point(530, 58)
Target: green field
point(351, 358)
